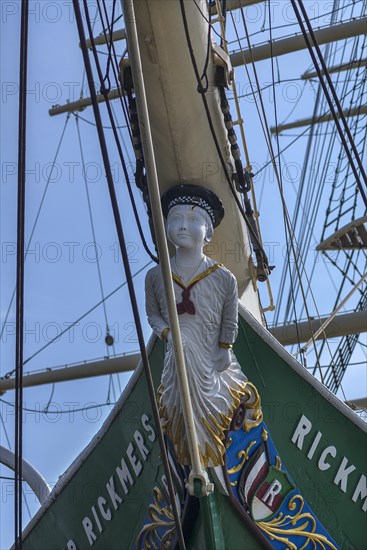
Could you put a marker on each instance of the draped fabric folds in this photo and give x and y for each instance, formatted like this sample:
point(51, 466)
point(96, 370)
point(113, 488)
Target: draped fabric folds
point(214, 394)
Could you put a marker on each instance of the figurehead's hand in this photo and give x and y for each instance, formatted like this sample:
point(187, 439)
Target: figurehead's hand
point(222, 359)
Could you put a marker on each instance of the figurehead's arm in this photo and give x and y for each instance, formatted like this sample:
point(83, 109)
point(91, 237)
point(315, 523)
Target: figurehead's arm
point(229, 323)
point(155, 319)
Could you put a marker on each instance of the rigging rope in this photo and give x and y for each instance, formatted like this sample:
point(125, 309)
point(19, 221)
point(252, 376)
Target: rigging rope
point(36, 219)
point(121, 238)
point(287, 25)
point(207, 59)
point(335, 358)
point(91, 222)
point(318, 147)
point(105, 127)
point(309, 289)
point(9, 447)
point(335, 97)
point(285, 210)
point(280, 173)
point(115, 65)
point(118, 145)
point(244, 180)
point(108, 336)
point(22, 125)
point(215, 139)
point(69, 327)
point(314, 129)
point(109, 46)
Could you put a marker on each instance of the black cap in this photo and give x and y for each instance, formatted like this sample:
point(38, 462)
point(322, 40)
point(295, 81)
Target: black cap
point(187, 193)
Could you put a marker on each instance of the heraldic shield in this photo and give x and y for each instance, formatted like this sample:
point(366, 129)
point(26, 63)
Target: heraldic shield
point(263, 487)
point(260, 483)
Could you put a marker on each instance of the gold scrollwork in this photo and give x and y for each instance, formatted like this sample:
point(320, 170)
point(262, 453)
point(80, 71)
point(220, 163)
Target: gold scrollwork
point(257, 418)
point(159, 517)
point(243, 456)
point(257, 400)
point(253, 403)
point(301, 524)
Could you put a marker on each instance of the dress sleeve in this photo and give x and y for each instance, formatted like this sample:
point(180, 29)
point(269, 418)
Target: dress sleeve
point(229, 324)
point(152, 308)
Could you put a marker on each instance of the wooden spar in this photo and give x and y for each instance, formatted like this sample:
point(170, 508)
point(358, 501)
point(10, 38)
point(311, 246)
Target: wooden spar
point(120, 34)
point(236, 4)
point(343, 324)
point(327, 322)
point(352, 236)
point(81, 104)
point(259, 53)
point(357, 404)
point(100, 40)
point(337, 68)
point(315, 120)
point(122, 363)
point(295, 43)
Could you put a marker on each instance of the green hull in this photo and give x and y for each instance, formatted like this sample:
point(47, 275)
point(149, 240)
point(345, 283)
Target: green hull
point(102, 500)
point(288, 393)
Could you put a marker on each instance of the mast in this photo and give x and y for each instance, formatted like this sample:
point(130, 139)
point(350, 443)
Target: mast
point(197, 474)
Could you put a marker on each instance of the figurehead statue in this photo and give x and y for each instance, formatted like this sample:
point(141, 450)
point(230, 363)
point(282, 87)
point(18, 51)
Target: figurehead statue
point(206, 298)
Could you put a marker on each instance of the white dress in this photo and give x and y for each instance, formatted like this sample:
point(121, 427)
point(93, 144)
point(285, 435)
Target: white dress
point(215, 395)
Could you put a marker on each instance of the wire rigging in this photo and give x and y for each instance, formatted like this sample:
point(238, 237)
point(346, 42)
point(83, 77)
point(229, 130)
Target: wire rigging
point(91, 222)
point(215, 139)
point(327, 95)
point(280, 170)
point(108, 336)
point(125, 258)
point(22, 126)
point(112, 56)
point(322, 176)
point(37, 218)
point(316, 162)
point(10, 447)
point(69, 327)
point(267, 136)
point(117, 141)
point(109, 47)
point(291, 299)
point(325, 148)
point(287, 25)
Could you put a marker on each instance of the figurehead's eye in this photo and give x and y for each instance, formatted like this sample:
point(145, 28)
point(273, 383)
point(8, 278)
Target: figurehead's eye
point(194, 217)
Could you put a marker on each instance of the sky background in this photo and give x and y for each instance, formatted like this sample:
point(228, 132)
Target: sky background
point(61, 276)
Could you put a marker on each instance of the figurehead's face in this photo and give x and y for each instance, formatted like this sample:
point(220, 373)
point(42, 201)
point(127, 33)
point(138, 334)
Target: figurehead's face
point(188, 226)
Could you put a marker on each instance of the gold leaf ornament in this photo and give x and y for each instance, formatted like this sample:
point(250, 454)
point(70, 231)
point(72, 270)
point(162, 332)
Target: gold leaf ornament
point(159, 516)
point(303, 525)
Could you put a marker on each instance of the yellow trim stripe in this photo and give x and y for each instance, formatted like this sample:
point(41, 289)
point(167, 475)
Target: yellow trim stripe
point(197, 278)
